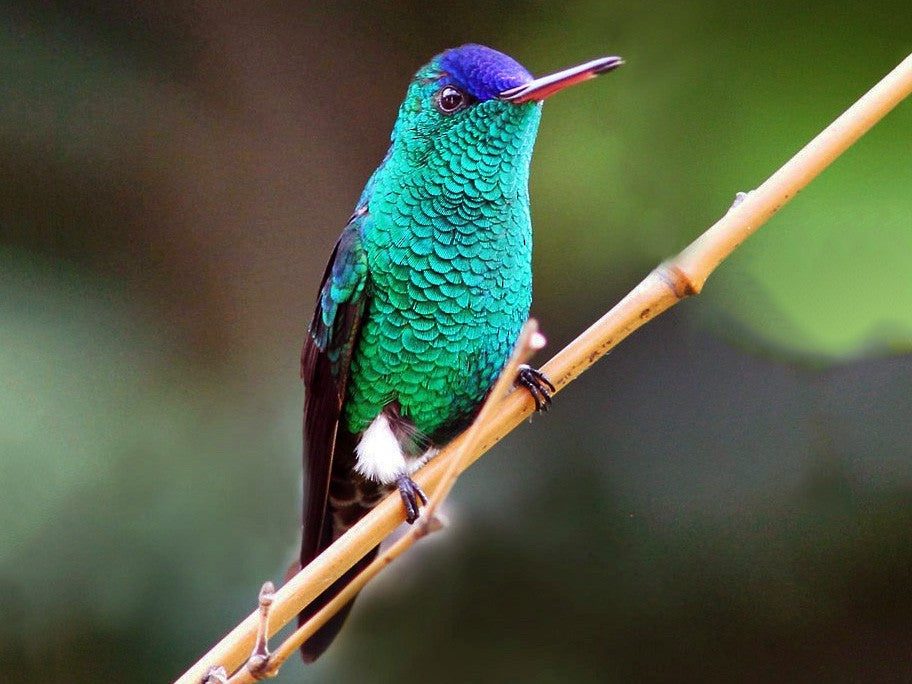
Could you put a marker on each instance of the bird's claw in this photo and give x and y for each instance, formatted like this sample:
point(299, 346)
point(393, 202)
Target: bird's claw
point(537, 384)
point(411, 496)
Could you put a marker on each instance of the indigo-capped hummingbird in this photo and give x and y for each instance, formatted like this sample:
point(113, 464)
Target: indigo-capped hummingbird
point(424, 295)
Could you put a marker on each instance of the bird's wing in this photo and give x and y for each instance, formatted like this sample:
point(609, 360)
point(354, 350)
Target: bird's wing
point(325, 362)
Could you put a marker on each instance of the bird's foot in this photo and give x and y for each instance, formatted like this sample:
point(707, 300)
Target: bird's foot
point(537, 384)
point(411, 496)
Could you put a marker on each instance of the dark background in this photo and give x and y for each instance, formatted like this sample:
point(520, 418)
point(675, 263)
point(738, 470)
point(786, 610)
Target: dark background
point(727, 496)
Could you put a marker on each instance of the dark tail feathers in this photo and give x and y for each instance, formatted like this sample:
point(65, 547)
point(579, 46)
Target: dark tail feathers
point(313, 648)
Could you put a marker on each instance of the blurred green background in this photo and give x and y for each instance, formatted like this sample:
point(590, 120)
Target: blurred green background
point(727, 496)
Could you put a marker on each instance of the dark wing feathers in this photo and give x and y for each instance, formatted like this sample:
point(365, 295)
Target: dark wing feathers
point(325, 362)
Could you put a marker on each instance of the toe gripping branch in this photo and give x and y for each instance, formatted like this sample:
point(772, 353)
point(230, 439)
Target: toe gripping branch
point(411, 496)
point(537, 384)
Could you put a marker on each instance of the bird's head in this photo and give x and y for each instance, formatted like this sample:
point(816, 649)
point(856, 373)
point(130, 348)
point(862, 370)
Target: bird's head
point(476, 96)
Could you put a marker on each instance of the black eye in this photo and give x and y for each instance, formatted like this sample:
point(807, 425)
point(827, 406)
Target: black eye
point(449, 100)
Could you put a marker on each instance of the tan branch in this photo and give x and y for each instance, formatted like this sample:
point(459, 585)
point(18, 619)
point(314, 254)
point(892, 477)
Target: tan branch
point(666, 285)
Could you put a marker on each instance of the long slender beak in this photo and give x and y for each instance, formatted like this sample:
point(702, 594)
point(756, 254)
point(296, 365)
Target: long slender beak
point(546, 86)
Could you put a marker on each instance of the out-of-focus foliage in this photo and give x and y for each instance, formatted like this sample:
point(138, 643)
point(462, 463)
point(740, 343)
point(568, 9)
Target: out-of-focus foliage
point(726, 496)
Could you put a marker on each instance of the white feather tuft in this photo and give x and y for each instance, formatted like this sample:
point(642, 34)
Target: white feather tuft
point(380, 457)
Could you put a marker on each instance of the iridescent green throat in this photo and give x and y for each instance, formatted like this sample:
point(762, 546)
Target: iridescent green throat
point(448, 241)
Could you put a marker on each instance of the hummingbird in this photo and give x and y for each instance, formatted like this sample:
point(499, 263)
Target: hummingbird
point(424, 295)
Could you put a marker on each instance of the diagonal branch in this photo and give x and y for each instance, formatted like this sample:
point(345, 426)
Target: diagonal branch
point(672, 281)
